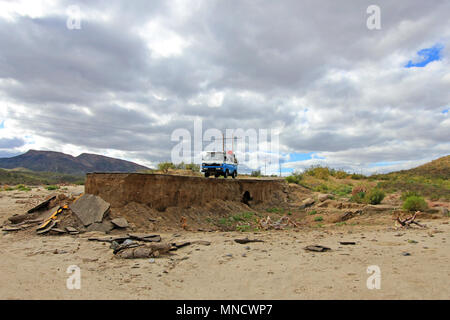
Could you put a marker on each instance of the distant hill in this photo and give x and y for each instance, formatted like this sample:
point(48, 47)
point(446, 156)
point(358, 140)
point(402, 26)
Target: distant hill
point(50, 161)
point(439, 168)
point(431, 179)
point(436, 169)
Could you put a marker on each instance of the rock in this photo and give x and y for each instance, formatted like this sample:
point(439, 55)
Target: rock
point(90, 209)
point(105, 226)
point(18, 218)
point(61, 197)
point(323, 197)
point(444, 211)
point(317, 248)
point(120, 222)
point(72, 230)
point(406, 254)
point(307, 203)
point(147, 251)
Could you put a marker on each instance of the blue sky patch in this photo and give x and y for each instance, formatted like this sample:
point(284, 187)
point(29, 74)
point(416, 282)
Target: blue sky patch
point(426, 56)
point(384, 164)
point(2, 124)
point(445, 111)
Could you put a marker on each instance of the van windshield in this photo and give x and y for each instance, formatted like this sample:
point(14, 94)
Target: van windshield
point(215, 156)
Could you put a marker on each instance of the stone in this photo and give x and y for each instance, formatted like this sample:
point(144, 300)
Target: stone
point(105, 226)
point(323, 197)
point(120, 222)
point(90, 209)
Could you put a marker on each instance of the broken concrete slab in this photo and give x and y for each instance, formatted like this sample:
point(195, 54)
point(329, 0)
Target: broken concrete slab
point(145, 237)
point(105, 226)
point(48, 228)
point(71, 230)
point(120, 222)
point(18, 218)
point(42, 205)
point(90, 209)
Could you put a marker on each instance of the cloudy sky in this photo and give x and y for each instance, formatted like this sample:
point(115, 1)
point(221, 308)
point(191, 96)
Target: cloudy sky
point(337, 92)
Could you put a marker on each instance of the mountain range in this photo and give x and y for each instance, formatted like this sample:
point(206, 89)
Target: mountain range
point(51, 161)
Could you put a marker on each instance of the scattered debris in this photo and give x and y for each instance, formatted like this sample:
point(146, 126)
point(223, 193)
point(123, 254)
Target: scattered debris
point(42, 205)
point(47, 227)
point(145, 237)
point(406, 254)
point(104, 226)
point(120, 222)
point(90, 209)
point(247, 240)
point(183, 222)
point(44, 228)
point(410, 220)
point(18, 218)
point(266, 223)
point(153, 250)
point(345, 243)
point(317, 248)
point(72, 230)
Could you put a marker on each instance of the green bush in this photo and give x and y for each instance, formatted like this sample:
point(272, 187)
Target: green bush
point(375, 196)
point(321, 188)
point(340, 174)
point(21, 187)
point(50, 188)
point(358, 197)
point(165, 166)
point(318, 172)
point(256, 173)
point(415, 203)
point(407, 194)
point(295, 177)
point(318, 219)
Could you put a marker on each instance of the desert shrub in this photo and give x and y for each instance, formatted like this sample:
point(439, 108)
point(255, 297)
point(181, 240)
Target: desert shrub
point(193, 167)
point(343, 190)
point(295, 177)
point(165, 166)
point(415, 203)
point(357, 176)
point(318, 172)
point(375, 196)
point(407, 194)
point(256, 173)
point(321, 188)
point(50, 188)
point(340, 174)
point(21, 187)
point(319, 218)
point(358, 194)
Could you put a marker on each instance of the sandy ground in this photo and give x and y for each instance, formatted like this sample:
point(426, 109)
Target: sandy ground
point(34, 267)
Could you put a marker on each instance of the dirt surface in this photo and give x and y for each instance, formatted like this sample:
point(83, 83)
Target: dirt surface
point(34, 267)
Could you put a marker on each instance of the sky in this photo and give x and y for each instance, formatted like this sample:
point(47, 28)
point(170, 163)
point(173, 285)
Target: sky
point(127, 76)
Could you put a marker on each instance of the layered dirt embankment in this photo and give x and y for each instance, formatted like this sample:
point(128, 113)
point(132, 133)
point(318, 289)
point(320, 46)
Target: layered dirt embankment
point(159, 191)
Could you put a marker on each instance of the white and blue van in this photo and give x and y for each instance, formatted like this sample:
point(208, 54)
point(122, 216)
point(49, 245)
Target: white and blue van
point(219, 163)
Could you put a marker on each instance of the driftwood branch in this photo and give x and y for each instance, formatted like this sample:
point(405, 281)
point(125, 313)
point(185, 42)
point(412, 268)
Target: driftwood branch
point(410, 220)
